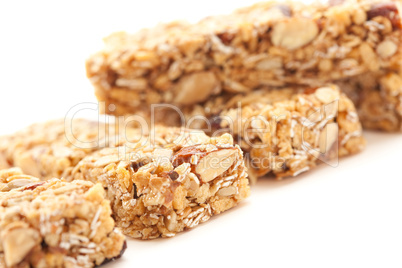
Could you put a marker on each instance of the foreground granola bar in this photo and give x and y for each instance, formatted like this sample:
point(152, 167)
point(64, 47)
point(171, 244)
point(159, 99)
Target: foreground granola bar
point(289, 131)
point(55, 223)
point(157, 188)
point(268, 44)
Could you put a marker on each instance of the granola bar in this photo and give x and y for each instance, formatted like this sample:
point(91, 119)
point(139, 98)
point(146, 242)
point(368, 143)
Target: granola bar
point(55, 223)
point(268, 44)
point(3, 162)
point(378, 98)
point(51, 149)
point(159, 188)
point(289, 131)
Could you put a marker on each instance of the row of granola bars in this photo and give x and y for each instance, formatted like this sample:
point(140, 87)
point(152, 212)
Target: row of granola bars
point(293, 84)
point(353, 43)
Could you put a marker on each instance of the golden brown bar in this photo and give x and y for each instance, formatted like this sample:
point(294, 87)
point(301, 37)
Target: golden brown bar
point(172, 182)
point(378, 97)
point(55, 223)
point(272, 44)
point(289, 131)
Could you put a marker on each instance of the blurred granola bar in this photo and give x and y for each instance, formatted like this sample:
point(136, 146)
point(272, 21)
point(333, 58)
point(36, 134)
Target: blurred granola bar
point(378, 97)
point(270, 44)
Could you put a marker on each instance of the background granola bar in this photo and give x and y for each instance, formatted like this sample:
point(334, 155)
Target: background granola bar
point(268, 44)
point(289, 131)
point(378, 97)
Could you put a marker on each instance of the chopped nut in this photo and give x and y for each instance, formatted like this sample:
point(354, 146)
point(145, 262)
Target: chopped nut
point(369, 57)
point(327, 95)
point(171, 221)
point(328, 137)
point(193, 184)
point(109, 159)
point(195, 87)
point(294, 33)
point(17, 183)
point(228, 191)
point(359, 17)
point(386, 49)
point(18, 243)
point(33, 186)
point(215, 163)
point(174, 70)
point(269, 64)
point(135, 84)
point(185, 155)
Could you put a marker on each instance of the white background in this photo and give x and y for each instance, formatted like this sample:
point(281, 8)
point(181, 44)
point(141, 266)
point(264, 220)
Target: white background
point(349, 216)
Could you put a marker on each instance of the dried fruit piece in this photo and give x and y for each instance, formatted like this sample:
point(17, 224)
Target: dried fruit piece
point(388, 10)
point(124, 248)
point(226, 37)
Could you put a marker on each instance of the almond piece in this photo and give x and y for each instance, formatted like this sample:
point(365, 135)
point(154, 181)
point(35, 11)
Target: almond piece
point(196, 87)
point(17, 243)
point(386, 49)
point(215, 163)
point(294, 33)
point(227, 191)
point(18, 183)
point(327, 95)
point(171, 221)
point(328, 137)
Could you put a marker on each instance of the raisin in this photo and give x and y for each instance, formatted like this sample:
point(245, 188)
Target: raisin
point(226, 38)
point(388, 10)
point(173, 175)
point(117, 257)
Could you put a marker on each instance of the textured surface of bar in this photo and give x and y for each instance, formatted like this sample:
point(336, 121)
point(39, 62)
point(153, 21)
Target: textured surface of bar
point(378, 99)
point(289, 131)
point(51, 149)
point(55, 223)
point(267, 44)
point(157, 188)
